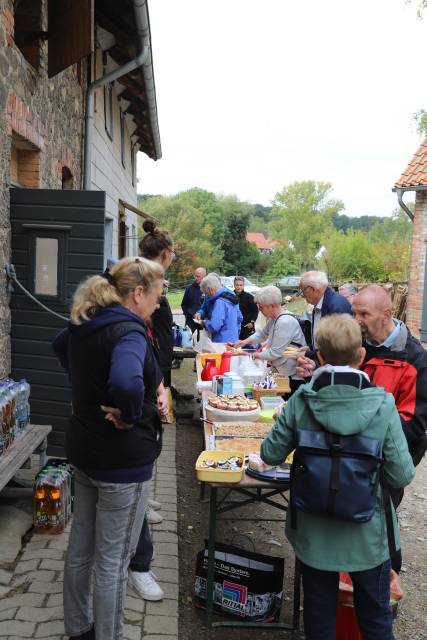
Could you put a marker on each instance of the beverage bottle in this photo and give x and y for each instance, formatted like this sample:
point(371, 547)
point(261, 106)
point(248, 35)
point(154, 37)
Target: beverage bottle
point(57, 511)
point(26, 402)
point(41, 508)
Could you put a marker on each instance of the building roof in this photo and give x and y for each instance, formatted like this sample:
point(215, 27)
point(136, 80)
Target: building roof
point(415, 174)
point(259, 240)
point(138, 93)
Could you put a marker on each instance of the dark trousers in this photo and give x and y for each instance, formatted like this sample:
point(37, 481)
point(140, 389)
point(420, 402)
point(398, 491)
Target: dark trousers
point(190, 323)
point(371, 602)
point(245, 332)
point(144, 550)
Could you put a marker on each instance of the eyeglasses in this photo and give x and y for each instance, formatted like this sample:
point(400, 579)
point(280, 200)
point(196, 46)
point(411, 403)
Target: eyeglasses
point(304, 289)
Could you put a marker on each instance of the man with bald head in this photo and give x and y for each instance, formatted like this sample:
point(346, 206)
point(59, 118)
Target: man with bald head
point(192, 300)
point(396, 361)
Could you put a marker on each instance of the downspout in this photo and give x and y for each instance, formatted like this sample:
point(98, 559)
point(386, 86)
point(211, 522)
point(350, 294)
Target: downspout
point(402, 204)
point(142, 27)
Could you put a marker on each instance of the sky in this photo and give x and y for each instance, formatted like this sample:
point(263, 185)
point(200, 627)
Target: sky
point(253, 95)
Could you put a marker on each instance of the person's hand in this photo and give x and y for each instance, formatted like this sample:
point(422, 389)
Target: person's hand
point(197, 316)
point(249, 325)
point(240, 343)
point(113, 415)
point(162, 400)
point(305, 367)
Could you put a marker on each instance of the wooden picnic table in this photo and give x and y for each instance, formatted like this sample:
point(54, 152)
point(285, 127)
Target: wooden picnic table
point(32, 440)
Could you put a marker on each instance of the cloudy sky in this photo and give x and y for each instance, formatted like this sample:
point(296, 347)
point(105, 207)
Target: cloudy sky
point(254, 95)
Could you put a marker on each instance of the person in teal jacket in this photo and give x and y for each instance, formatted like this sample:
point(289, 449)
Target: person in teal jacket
point(341, 399)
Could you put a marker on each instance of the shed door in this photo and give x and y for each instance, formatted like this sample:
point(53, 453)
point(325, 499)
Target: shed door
point(57, 240)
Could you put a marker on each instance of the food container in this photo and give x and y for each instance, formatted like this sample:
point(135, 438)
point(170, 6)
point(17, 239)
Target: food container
point(205, 474)
point(271, 402)
point(266, 415)
point(223, 415)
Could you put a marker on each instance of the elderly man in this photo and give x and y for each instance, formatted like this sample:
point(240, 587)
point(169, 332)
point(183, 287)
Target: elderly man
point(192, 298)
point(348, 290)
point(248, 308)
point(221, 314)
point(314, 287)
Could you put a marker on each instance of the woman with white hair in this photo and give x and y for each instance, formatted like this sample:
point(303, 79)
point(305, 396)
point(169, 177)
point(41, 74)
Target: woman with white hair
point(221, 307)
point(281, 331)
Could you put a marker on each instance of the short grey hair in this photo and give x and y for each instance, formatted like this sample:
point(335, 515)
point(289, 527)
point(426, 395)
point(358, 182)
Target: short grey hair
point(350, 287)
point(269, 295)
point(211, 282)
point(315, 279)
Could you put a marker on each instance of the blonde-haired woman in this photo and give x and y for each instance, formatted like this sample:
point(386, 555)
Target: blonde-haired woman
point(113, 438)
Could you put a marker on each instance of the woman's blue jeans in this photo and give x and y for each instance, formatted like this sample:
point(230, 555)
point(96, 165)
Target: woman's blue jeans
point(371, 602)
point(107, 522)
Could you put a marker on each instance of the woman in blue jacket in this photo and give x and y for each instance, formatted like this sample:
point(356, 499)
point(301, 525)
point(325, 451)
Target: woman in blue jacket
point(222, 306)
point(113, 438)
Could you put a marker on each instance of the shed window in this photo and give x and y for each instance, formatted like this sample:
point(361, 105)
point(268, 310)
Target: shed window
point(46, 267)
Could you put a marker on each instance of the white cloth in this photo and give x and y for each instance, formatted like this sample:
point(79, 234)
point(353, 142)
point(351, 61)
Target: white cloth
point(317, 311)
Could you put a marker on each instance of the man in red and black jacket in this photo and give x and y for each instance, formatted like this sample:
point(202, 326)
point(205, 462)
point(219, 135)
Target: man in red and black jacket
point(396, 361)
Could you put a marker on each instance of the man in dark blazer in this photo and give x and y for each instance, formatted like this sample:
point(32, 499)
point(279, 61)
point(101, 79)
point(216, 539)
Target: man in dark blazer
point(314, 287)
point(248, 308)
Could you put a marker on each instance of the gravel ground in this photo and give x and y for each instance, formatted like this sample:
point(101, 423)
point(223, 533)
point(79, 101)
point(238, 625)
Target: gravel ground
point(411, 623)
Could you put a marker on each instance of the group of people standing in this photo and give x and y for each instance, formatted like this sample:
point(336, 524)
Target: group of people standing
point(118, 352)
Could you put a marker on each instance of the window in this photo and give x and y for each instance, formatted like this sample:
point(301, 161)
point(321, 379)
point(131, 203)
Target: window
point(108, 109)
point(67, 179)
point(27, 16)
point(48, 251)
point(46, 267)
point(134, 241)
point(24, 163)
point(122, 137)
point(133, 164)
point(108, 240)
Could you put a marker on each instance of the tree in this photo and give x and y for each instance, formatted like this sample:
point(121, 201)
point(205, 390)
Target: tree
point(302, 214)
point(240, 256)
point(352, 257)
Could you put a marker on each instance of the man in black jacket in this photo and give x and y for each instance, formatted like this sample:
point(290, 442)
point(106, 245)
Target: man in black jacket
point(248, 308)
point(192, 300)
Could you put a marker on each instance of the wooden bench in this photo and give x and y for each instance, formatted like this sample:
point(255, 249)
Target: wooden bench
point(32, 440)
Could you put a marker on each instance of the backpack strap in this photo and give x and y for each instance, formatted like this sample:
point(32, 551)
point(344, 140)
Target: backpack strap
point(388, 513)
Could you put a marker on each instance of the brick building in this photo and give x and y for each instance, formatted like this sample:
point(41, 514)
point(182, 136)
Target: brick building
point(414, 178)
point(78, 103)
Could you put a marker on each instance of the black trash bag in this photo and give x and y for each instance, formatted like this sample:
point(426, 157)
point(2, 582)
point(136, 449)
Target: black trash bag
point(247, 585)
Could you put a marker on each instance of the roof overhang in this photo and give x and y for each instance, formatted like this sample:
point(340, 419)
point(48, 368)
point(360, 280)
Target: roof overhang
point(138, 87)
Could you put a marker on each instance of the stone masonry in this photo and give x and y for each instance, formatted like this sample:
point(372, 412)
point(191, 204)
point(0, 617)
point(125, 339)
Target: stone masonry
point(31, 594)
point(44, 117)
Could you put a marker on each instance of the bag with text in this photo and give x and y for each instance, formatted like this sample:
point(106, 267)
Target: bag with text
point(247, 585)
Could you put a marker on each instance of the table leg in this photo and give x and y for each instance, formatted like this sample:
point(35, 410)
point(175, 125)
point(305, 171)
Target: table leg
point(42, 453)
point(211, 556)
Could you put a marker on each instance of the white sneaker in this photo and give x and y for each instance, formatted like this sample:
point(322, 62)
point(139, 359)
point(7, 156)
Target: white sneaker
point(154, 504)
point(153, 517)
point(145, 585)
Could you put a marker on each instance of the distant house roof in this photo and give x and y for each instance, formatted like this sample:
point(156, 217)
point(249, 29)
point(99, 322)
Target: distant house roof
point(415, 174)
point(259, 240)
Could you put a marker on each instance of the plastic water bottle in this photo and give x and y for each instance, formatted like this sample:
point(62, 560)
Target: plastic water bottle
point(24, 412)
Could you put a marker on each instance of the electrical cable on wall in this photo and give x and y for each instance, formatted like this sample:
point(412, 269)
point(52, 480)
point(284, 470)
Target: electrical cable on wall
point(11, 274)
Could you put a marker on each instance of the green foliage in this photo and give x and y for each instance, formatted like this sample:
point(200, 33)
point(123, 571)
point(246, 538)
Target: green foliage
point(284, 262)
point(353, 257)
point(419, 118)
point(302, 214)
point(342, 222)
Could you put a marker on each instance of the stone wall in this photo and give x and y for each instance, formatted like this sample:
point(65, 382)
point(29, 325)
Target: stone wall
point(44, 117)
point(417, 264)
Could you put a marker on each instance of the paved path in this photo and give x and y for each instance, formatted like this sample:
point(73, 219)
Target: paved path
point(31, 595)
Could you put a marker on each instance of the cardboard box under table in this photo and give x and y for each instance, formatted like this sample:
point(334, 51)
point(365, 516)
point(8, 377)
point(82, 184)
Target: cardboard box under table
point(225, 497)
